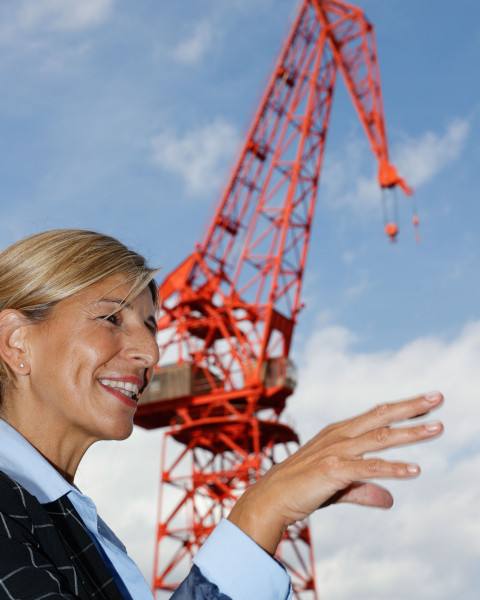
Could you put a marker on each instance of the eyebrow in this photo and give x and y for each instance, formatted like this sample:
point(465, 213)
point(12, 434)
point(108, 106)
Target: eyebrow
point(151, 321)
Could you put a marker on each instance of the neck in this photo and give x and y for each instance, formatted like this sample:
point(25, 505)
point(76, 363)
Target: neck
point(60, 448)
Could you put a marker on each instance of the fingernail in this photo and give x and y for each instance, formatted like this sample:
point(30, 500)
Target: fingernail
point(413, 468)
point(433, 397)
point(433, 426)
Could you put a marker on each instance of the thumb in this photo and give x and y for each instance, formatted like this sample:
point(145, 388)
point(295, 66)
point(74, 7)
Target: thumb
point(364, 494)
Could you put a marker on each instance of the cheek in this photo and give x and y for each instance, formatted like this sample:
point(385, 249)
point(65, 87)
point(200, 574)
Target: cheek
point(86, 359)
point(64, 365)
point(72, 365)
point(92, 353)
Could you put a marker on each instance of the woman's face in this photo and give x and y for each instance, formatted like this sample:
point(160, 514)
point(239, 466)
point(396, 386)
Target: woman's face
point(86, 371)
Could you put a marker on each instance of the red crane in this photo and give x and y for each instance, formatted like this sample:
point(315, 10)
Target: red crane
point(229, 309)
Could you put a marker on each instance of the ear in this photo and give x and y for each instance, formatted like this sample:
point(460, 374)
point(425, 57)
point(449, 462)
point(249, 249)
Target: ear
point(13, 346)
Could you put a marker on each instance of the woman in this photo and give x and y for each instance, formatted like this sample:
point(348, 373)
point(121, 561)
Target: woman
point(77, 348)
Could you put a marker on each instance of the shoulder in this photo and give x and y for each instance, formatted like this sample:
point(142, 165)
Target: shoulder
point(33, 560)
point(14, 496)
point(19, 510)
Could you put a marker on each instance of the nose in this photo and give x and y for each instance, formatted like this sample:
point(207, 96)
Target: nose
point(143, 347)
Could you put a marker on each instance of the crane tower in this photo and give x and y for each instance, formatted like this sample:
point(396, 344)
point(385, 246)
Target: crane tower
point(229, 309)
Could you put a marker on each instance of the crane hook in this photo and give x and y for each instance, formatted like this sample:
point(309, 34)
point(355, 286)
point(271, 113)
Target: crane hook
point(391, 229)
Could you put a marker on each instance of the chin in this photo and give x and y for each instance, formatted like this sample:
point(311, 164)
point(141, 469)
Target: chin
point(125, 435)
point(117, 431)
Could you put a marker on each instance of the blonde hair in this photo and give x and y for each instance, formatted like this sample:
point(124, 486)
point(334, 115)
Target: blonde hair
point(39, 271)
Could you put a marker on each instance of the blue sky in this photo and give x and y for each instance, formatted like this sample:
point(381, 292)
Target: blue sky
point(125, 117)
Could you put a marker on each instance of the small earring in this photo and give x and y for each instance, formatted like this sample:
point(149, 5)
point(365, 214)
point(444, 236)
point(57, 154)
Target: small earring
point(21, 365)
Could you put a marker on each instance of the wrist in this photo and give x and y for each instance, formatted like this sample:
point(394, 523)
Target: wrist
point(258, 519)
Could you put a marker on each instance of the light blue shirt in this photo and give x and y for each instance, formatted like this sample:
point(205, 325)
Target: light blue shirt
point(228, 558)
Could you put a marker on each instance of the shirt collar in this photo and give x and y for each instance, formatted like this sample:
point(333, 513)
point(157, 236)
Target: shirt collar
point(23, 463)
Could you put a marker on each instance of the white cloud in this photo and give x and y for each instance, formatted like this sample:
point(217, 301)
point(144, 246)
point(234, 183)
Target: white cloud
point(191, 49)
point(61, 14)
point(28, 30)
point(350, 181)
point(426, 156)
point(427, 546)
point(199, 157)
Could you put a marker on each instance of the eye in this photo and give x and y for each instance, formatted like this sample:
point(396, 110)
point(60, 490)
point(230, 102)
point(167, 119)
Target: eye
point(152, 327)
point(114, 319)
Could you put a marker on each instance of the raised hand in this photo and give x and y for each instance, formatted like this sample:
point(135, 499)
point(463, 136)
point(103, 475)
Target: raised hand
point(332, 468)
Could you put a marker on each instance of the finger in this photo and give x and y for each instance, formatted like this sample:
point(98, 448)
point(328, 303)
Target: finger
point(376, 468)
point(393, 412)
point(389, 437)
point(364, 494)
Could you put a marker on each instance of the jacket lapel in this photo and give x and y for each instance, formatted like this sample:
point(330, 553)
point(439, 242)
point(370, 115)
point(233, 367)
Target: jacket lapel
point(88, 564)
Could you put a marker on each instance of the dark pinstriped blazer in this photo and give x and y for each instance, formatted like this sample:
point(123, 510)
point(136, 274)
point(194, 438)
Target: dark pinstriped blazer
point(46, 552)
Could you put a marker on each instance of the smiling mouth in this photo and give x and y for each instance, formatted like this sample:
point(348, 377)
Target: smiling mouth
point(130, 390)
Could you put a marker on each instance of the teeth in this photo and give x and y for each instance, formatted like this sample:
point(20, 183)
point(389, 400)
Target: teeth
point(129, 389)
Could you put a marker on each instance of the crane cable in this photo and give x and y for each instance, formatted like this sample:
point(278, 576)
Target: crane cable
point(391, 225)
